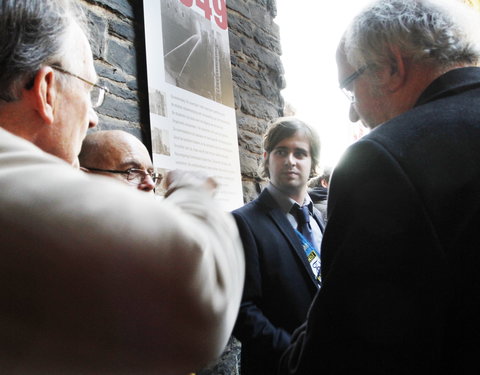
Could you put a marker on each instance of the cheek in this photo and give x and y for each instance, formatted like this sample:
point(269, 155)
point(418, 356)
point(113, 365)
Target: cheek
point(273, 162)
point(308, 167)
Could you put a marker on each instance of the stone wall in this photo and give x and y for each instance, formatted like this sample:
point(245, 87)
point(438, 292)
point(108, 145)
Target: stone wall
point(258, 78)
point(119, 51)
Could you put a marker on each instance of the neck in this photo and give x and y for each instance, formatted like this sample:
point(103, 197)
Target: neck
point(15, 119)
point(299, 198)
point(297, 194)
point(419, 78)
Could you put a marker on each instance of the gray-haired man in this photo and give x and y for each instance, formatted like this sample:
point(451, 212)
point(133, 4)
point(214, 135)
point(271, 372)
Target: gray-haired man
point(400, 256)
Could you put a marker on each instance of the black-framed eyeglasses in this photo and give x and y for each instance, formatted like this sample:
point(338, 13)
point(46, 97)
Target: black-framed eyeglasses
point(133, 175)
point(347, 81)
point(97, 93)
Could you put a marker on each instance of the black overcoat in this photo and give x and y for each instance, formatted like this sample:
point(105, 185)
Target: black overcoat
point(401, 250)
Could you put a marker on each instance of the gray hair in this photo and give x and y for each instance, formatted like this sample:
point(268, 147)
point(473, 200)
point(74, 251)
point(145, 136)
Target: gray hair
point(32, 34)
point(439, 32)
point(286, 127)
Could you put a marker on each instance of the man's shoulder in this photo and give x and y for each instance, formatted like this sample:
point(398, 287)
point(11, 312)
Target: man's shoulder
point(257, 207)
point(247, 208)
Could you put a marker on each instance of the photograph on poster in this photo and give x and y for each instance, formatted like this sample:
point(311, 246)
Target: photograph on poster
point(157, 102)
point(160, 141)
point(196, 56)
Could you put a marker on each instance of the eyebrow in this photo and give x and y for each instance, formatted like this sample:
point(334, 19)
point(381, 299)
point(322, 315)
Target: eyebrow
point(287, 148)
point(130, 164)
point(134, 164)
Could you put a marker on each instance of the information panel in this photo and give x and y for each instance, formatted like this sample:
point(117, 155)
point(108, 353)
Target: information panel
point(190, 92)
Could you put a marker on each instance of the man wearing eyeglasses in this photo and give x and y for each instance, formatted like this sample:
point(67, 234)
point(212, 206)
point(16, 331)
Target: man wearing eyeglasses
point(120, 155)
point(401, 250)
point(96, 278)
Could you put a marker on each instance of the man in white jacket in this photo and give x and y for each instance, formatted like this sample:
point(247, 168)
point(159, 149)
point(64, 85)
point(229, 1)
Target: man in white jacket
point(96, 277)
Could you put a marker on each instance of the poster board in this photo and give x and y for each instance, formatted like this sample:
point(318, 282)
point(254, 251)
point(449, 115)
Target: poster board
point(190, 89)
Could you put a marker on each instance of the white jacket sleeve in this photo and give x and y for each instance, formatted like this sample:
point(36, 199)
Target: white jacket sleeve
point(101, 278)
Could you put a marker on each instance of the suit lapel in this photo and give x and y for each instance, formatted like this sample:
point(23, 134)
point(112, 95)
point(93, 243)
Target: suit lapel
point(284, 226)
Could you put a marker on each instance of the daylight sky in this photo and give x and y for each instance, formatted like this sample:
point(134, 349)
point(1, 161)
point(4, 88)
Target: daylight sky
point(309, 32)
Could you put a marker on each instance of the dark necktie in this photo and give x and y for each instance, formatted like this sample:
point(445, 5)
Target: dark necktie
point(303, 219)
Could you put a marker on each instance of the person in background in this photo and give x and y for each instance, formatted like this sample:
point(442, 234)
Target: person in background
point(400, 256)
point(282, 259)
point(120, 155)
point(318, 191)
point(96, 278)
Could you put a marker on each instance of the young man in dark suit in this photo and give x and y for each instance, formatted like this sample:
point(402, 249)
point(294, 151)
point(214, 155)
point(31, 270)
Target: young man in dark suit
point(401, 252)
point(282, 259)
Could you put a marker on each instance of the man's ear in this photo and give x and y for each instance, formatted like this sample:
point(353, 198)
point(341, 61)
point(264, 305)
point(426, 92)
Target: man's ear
point(398, 70)
point(44, 93)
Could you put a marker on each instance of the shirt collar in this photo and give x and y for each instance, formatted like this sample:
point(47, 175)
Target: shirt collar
point(284, 201)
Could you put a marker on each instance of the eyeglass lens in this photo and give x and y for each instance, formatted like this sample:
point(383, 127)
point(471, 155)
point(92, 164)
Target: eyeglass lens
point(349, 94)
point(138, 175)
point(97, 94)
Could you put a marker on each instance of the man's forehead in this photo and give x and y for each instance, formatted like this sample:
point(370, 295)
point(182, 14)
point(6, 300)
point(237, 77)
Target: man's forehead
point(135, 155)
point(79, 53)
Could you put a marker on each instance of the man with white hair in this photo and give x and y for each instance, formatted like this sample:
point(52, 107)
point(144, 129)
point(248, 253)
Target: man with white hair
point(400, 254)
point(97, 278)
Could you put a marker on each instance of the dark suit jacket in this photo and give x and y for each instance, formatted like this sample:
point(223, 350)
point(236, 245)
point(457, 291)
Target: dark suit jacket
point(401, 251)
point(279, 284)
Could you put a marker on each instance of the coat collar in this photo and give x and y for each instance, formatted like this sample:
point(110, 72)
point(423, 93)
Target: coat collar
point(453, 82)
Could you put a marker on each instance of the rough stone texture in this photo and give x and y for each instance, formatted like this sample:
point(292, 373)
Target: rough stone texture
point(116, 28)
point(229, 363)
point(119, 49)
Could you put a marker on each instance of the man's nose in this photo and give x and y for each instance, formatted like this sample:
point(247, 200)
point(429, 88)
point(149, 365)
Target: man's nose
point(353, 114)
point(93, 118)
point(146, 184)
point(290, 159)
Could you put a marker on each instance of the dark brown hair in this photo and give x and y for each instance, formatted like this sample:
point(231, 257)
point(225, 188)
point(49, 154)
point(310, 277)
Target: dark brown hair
point(286, 127)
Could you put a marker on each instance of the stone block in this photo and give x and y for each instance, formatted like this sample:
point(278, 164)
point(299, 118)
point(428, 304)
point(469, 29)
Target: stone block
point(249, 165)
point(250, 141)
point(120, 109)
point(241, 25)
point(254, 105)
point(250, 190)
point(98, 33)
point(122, 55)
point(122, 29)
point(122, 7)
point(122, 92)
point(228, 363)
point(240, 6)
point(107, 71)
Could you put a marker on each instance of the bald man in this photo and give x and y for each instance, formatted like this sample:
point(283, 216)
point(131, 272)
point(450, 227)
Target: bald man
point(121, 155)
